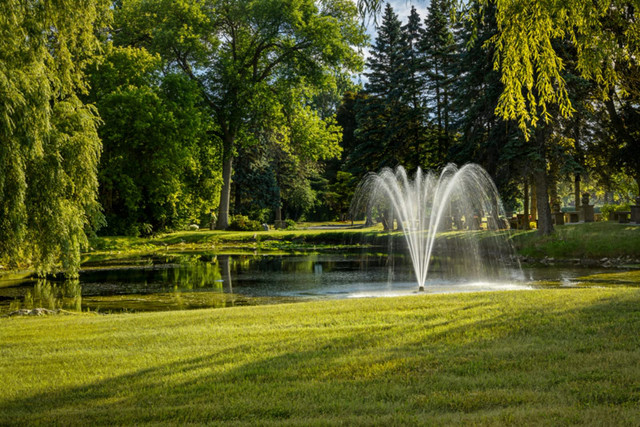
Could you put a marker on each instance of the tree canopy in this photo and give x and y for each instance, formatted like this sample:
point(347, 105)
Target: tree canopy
point(246, 55)
point(529, 62)
point(151, 119)
point(145, 115)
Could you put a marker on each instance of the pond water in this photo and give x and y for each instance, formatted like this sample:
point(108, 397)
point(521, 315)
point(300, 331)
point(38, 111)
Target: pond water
point(202, 280)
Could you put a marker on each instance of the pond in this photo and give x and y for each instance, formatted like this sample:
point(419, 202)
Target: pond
point(178, 281)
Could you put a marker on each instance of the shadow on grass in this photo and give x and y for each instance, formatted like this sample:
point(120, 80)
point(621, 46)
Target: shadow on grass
point(576, 365)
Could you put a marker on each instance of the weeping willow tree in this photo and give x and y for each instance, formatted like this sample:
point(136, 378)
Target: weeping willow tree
point(49, 146)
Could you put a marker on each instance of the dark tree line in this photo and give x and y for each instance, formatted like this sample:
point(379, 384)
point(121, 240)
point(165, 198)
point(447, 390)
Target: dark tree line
point(432, 95)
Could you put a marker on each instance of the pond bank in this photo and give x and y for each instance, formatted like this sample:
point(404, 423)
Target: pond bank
point(605, 244)
point(592, 243)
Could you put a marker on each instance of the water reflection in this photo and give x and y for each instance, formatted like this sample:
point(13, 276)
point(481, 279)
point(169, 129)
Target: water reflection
point(51, 295)
point(187, 281)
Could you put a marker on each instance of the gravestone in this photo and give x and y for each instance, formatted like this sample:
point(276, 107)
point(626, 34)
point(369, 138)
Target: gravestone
point(586, 210)
point(635, 211)
point(557, 215)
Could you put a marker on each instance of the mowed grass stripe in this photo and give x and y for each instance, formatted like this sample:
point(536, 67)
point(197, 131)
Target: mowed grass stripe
point(546, 356)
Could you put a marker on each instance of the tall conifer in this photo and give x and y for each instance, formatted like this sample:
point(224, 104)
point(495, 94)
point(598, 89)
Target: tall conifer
point(437, 46)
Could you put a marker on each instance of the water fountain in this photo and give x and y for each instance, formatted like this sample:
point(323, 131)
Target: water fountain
point(456, 199)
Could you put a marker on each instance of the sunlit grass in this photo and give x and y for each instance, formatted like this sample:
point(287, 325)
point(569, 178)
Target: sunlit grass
point(587, 240)
point(631, 277)
point(527, 357)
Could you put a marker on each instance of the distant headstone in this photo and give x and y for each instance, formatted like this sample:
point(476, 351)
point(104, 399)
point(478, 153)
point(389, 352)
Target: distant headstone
point(586, 210)
point(265, 227)
point(194, 227)
point(556, 214)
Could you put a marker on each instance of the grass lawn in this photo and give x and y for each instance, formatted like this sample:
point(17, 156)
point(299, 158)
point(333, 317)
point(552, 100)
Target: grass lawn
point(586, 240)
point(526, 357)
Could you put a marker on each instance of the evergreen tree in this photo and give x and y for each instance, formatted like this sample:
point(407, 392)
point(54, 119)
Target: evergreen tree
point(390, 116)
point(437, 45)
point(413, 83)
point(377, 112)
point(623, 102)
point(386, 60)
point(412, 79)
point(484, 138)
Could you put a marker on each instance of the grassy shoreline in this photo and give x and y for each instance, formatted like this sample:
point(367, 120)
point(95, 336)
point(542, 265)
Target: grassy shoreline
point(591, 241)
point(525, 357)
point(584, 240)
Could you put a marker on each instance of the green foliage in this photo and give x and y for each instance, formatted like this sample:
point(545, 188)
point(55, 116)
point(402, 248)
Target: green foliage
point(485, 139)
point(243, 223)
point(254, 174)
point(527, 55)
point(159, 167)
point(340, 193)
point(247, 57)
point(389, 115)
point(531, 66)
point(50, 147)
point(290, 224)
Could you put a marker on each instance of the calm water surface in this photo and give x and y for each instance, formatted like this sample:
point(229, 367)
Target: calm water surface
point(187, 281)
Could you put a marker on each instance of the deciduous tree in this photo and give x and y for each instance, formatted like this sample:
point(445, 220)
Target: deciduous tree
point(240, 53)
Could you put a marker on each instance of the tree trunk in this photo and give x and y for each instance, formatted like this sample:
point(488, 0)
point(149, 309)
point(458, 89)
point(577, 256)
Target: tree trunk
point(545, 224)
point(554, 199)
point(534, 200)
point(446, 118)
point(387, 221)
point(368, 216)
point(526, 204)
point(438, 103)
point(576, 190)
point(238, 199)
point(225, 193)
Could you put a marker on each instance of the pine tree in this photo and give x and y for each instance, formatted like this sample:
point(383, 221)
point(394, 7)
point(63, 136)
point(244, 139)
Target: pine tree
point(386, 60)
point(437, 46)
point(484, 138)
point(390, 115)
point(413, 82)
point(377, 111)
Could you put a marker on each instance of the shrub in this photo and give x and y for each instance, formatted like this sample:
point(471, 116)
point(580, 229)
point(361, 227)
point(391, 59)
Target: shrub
point(291, 224)
point(243, 223)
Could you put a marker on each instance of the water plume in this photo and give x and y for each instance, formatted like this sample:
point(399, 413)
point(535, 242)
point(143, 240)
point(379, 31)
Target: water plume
point(459, 199)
